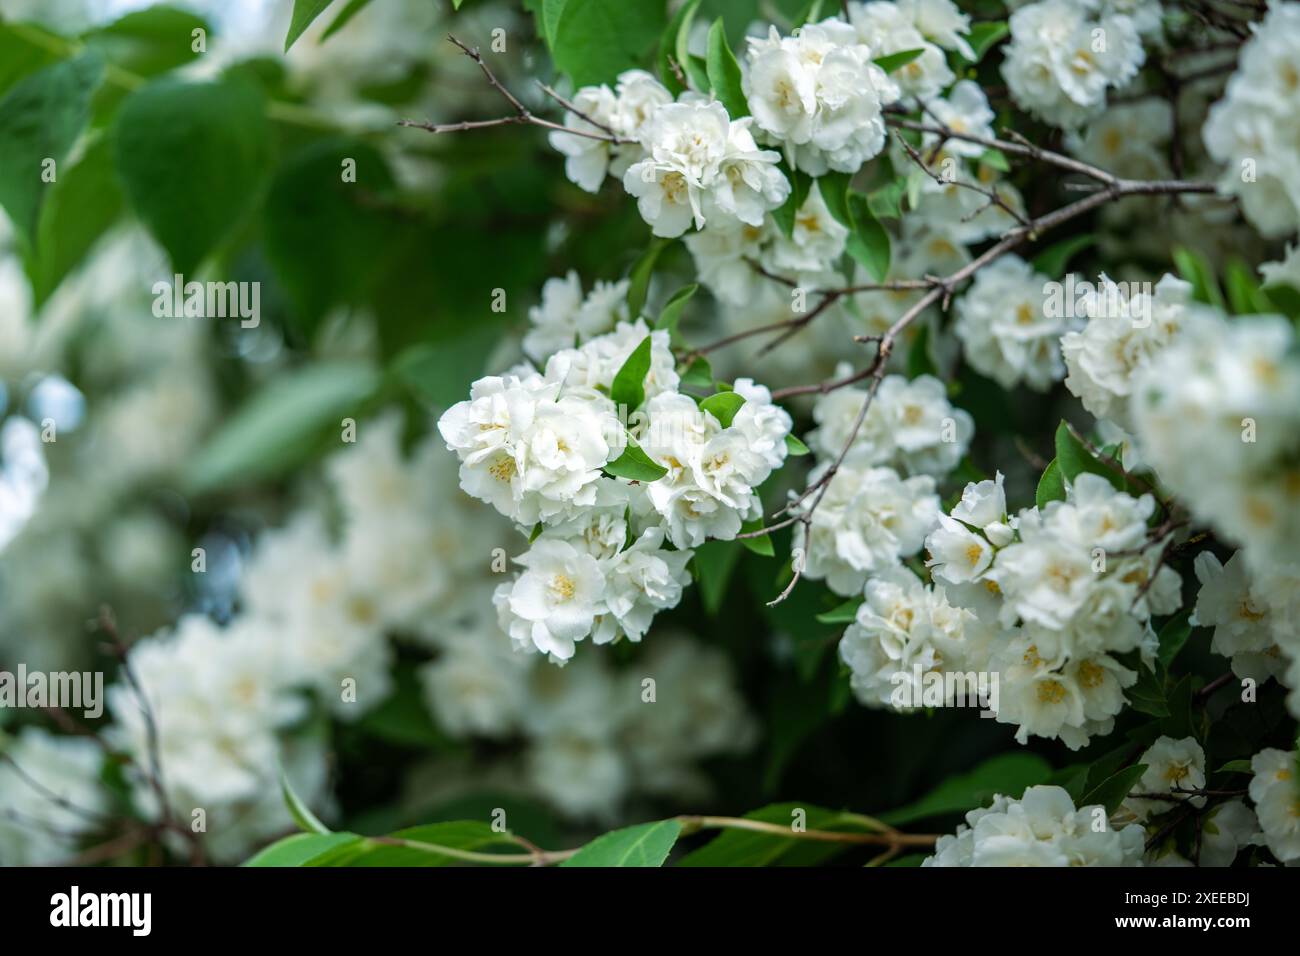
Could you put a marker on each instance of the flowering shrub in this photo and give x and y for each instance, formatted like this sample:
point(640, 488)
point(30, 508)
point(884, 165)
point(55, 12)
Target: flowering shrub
point(909, 384)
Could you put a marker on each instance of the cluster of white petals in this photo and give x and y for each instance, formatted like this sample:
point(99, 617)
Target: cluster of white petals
point(1043, 828)
point(1066, 55)
point(1275, 791)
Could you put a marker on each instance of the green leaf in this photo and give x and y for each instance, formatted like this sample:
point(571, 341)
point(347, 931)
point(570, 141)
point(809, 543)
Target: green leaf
point(784, 215)
point(724, 72)
point(1196, 269)
point(1110, 793)
point(24, 49)
point(1073, 459)
point(300, 812)
point(78, 209)
point(918, 355)
point(794, 447)
point(673, 46)
point(348, 12)
point(760, 545)
point(647, 844)
point(892, 61)
point(887, 201)
point(149, 41)
point(1244, 293)
point(1236, 766)
point(984, 35)
point(845, 613)
point(723, 406)
point(193, 158)
point(324, 237)
point(635, 465)
point(595, 40)
point(40, 120)
point(1051, 486)
point(868, 243)
point(474, 835)
point(628, 388)
point(441, 371)
point(304, 12)
point(671, 313)
point(1147, 695)
point(995, 159)
point(749, 848)
point(1173, 635)
point(639, 278)
point(714, 563)
point(1052, 261)
point(281, 424)
point(699, 374)
point(1009, 774)
point(303, 849)
point(834, 188)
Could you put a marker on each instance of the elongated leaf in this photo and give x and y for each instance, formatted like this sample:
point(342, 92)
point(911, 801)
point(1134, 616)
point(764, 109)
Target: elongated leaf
point(1073, 459)
point(794, 447)
point(1112, 791)
point(1053, 260)
point(673, 46)
point(892, 61)
point(749, 848)
point(639, 280)
point(628, 388)
point(834, 188)
point(983, 36)
point(724, 72)
point(40, 120)
point(300, 812)
point(671, 313)
point(304, 849)
point(845, 613)
point(647, 844)
point(635, 465)
point(759, 545)
point(1051, 486)
point(304, 13)
point(868, 243)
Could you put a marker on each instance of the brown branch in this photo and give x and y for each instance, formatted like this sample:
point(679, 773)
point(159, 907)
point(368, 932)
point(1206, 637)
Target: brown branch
point(522, 116)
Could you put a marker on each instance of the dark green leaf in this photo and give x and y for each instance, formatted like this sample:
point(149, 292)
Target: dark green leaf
point(593, 41)
point(1111, 792)
point(748, 848)
point(834, 188)
point(892, 61)
point(759, 545)
point(639, 280)
point(671, 313)
point(628, 389)
point(1051, 486)
point(304, 849)
point(1174, 635)
point(1009, 774)
point(984, 35)
point(1052, 261)
point(724, 72)
point(845, 613)
point(868, 243)
point(714, 563)
point(40, 120)
point(193, 158)
point(647, 844)
point(1073, 459)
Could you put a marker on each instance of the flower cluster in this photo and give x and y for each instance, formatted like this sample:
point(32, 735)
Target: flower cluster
point(52, 796)
point(931, 26)
point(1006, 330)
point(1276, 795)
point(1072, 585)
point(819, 95)
point(1122, 334)
point(686, 161)
point(1170, 765)
point(1065, 55)
point(1043, 828)
point(608, 552)
point(870, 516)
point(1254, 131)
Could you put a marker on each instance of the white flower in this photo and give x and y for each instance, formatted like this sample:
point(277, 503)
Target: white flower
point(52, 796)
point(1225, 829)
point(1243, 626)
point(1122, 335)
point(564, 319)
point(748, 182)
point(665, 197)
point(1041, 829)
point(941, 22)
point(1276, 796)
point(815, 243)
point(957, 554)
point(886, 28)
point(643, 580)
point(724, 251)
point(965, 110)
point(1061, 61)
point(868, 519)
point(983, 505)
point(902, 625)
point(1252, 130)
point(819, 95)
point(1007, 332)
point(1171, 765)
point(587, 157)
point(553, 604)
